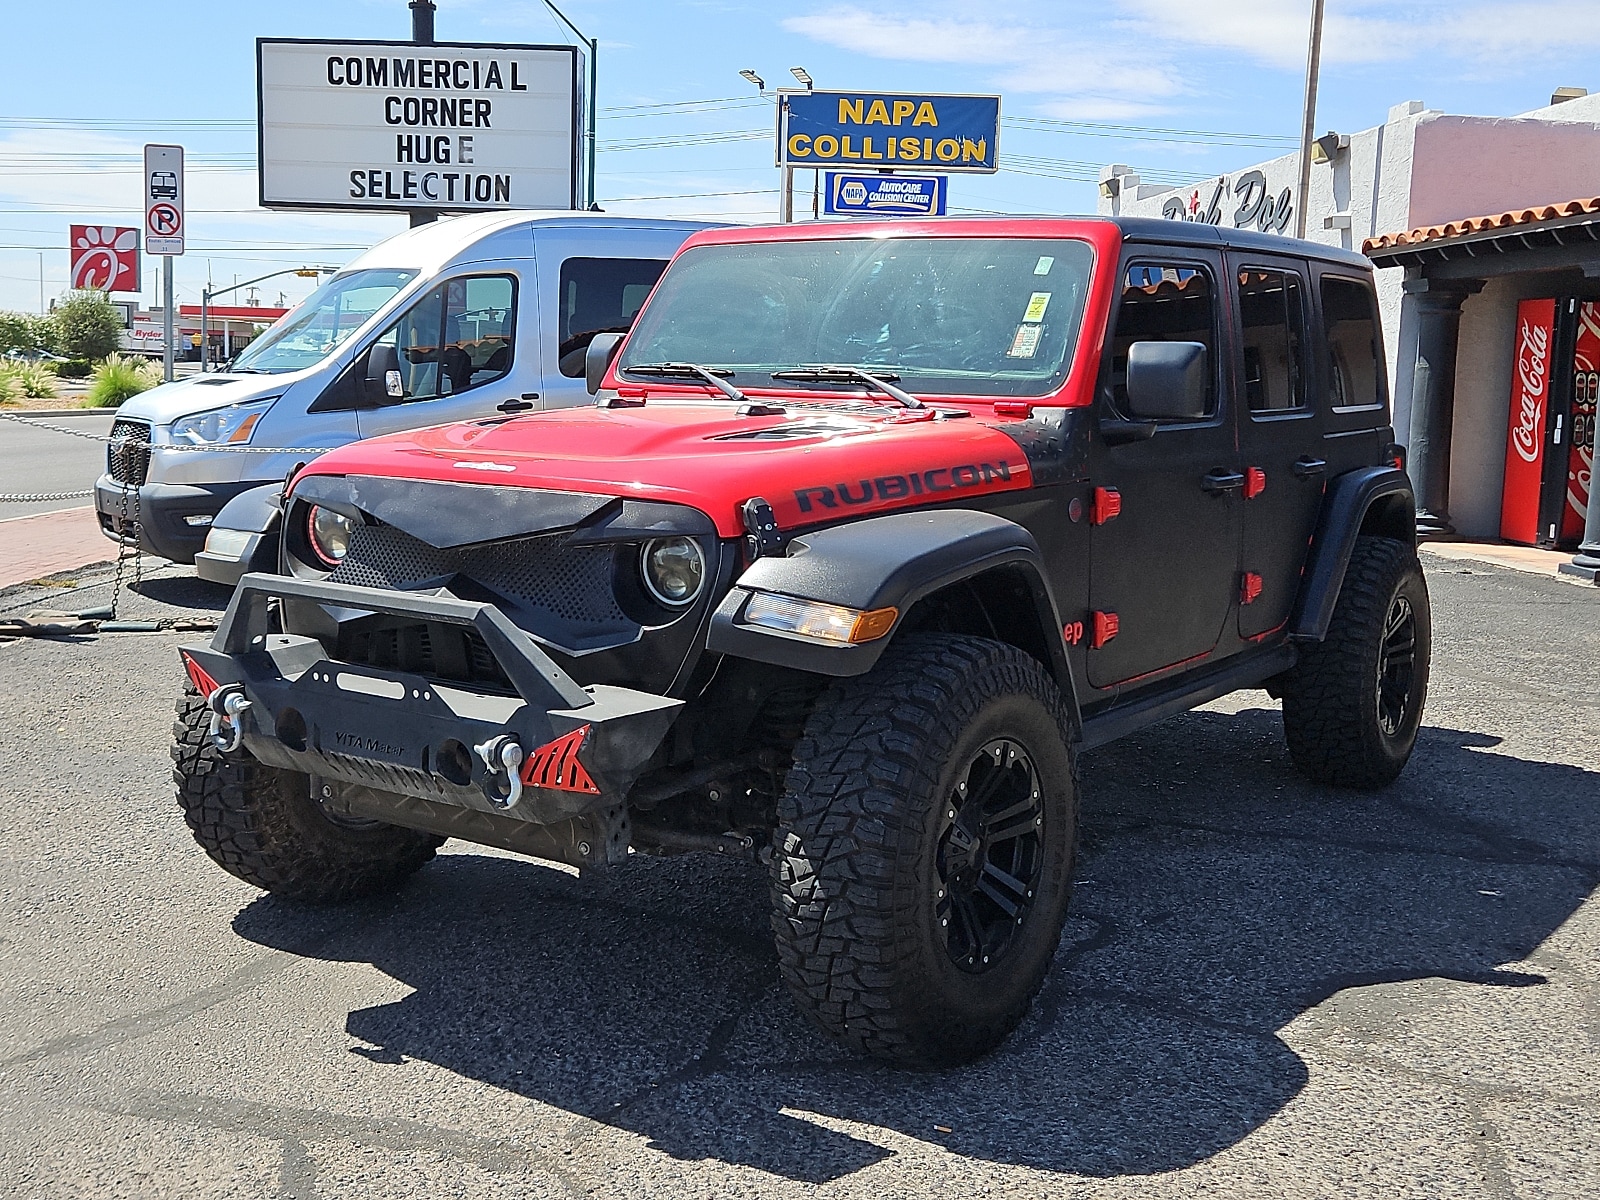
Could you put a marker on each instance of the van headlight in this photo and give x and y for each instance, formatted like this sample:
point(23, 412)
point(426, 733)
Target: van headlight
point(221, 426)
point(674, 570)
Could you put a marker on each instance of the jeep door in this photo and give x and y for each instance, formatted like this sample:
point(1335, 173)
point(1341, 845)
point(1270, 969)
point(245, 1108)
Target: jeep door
point(1164, 568)
point(1280, 436)
point(455, 350)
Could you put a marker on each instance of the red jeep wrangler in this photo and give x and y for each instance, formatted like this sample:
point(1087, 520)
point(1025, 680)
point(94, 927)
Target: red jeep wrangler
point(870, 530)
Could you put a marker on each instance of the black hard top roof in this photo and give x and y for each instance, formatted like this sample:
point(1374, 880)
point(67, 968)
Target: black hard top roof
point(1195, 233)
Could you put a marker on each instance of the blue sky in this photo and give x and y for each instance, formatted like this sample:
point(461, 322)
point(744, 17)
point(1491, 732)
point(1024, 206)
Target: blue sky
point(86, 83)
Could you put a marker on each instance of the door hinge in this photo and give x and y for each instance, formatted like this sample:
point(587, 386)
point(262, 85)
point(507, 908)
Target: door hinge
point(1106, 625)
point(1255, 482)
point(1105, 505)
point(1250, 588)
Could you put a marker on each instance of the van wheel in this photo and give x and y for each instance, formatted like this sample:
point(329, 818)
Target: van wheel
point(923, 858)
point(260, 824)
point(1353, 703)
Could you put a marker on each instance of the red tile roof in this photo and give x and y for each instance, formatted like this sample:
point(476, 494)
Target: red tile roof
point(1469, 225)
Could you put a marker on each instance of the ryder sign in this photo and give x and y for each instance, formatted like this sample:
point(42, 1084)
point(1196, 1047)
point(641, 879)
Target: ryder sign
point(1525, 436)
point(391, 125)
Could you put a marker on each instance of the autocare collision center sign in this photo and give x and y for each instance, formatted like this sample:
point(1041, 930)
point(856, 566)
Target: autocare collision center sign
point(392, 125)
point(889, 131)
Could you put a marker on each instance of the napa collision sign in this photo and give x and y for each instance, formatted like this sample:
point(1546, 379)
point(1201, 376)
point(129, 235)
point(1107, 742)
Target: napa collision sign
point(395, 126)
point(888, 131)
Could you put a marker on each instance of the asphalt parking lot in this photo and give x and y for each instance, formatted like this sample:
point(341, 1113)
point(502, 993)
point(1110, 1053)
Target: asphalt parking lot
point(1265, 989)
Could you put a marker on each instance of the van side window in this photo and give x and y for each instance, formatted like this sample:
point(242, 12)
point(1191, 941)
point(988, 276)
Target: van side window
point(1164, 303)
point(457, 337)
point(1272, 308)
point(600, 295)
point(1350, 313)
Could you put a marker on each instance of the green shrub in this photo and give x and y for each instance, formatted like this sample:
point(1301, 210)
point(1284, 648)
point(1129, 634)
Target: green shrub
point(9, 390)
point(87, 325)
point(74, 368)
point(35, 381)
point(25, 331)
point(117, 378)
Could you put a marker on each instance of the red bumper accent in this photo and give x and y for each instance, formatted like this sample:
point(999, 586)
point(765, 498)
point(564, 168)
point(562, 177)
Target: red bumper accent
point(203, 683)
point(555, 765)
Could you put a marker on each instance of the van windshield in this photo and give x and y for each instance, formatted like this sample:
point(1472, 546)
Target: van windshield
point(946, 315)
point(312, 331)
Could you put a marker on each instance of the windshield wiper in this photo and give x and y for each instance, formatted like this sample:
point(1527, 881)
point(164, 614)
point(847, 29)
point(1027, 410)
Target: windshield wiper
point(883, 380)
point(715, 376)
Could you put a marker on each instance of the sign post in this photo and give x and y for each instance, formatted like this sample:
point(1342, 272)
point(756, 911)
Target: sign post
point(164, 228)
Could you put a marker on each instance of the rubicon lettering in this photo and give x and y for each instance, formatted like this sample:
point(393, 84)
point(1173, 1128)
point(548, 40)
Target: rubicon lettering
point(899, 487)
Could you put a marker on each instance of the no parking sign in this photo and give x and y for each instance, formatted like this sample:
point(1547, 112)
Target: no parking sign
point(163, 199)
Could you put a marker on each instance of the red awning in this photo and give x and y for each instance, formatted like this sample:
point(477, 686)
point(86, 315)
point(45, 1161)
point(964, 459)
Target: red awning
point(244, 313)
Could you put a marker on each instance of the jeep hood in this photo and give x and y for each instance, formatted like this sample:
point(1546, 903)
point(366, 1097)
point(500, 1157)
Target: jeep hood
point(815, 464)
point(199, 393)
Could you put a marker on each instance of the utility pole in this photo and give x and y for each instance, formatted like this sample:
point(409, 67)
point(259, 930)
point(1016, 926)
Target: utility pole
point(41, 283)
point(592, 47)
point(422, 35)
point(1308, 127)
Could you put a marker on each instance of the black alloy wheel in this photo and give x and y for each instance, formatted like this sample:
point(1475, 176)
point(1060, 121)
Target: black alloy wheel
point(990, 855)
point(1397, 664)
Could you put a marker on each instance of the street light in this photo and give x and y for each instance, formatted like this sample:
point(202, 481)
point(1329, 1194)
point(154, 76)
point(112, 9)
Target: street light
point(593, 46)
point(804, 78)
point(208, 293)
point(761, 84)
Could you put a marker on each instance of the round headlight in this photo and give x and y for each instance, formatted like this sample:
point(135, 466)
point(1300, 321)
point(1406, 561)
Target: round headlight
point(674, 570)
point(329, 535)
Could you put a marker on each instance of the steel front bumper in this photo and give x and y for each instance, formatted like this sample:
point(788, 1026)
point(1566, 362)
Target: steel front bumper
point(368, 733)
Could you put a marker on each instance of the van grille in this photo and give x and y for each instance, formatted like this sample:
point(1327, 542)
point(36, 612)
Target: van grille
point(128, 454)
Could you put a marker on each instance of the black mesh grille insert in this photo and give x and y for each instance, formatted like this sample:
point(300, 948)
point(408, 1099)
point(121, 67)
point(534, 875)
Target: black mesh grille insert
point(128, 459)
point(572, 584)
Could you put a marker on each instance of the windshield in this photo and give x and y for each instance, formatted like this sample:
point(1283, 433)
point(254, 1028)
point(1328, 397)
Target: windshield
point(961, 316)
point(326, 318)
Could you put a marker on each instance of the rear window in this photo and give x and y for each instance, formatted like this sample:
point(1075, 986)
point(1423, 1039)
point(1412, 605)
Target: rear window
point(1350, 315)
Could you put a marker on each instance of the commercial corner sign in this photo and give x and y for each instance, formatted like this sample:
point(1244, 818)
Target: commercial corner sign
point(104, 257)
point(889, 131)
point(396, 126)
point(884, 195)
point(163, 200)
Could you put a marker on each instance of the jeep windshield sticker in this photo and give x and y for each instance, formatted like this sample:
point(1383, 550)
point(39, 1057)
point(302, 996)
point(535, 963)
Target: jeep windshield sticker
point(1026, 343)
point(901, 487)
point(1042, 267)
point(1037, 303)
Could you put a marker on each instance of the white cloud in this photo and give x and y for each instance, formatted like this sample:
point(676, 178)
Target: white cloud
point(1072, 71)
point(1366, 31)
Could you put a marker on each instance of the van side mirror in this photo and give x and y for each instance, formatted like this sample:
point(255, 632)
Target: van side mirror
point(597, 359)
point(384, 384)
point(1168, 381)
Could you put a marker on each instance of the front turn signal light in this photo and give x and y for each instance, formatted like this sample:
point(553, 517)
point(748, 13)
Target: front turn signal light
point(824, 622)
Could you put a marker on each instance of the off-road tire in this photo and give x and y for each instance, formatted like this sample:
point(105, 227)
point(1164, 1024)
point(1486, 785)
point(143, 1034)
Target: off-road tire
point(260, 824)
point(1332, 708)
point(858, 855)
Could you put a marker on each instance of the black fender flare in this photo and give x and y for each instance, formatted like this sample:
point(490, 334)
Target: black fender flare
point(882, 562)
point(1368, 500)
point(255, 511)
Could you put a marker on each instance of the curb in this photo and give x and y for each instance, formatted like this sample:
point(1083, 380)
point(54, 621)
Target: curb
point(56, 412)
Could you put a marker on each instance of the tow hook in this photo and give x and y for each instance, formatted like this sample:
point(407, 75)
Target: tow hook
point(503, 755)
point(227, 705)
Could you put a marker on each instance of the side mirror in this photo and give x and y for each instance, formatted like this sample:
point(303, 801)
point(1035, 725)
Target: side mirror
point(597, 358)
point(1168, 381)
point(384, 384)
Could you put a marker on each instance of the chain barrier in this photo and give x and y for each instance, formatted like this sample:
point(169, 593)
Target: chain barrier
point(164, 447)
point(42, 497)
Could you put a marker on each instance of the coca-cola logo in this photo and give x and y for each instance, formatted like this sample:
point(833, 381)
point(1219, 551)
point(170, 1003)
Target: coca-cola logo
point(1533, 373)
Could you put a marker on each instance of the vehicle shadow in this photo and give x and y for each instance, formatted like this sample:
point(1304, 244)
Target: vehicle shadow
point(1220, 897)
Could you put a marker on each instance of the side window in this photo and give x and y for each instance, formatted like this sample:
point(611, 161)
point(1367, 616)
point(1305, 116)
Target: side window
point(1350, 316)
point(1164, 302)
point(600, 295)
point(457, 337)
point(1272, 308)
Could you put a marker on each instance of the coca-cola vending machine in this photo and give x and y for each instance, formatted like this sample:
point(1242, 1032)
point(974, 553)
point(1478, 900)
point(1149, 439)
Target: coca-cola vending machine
point(1555, 384)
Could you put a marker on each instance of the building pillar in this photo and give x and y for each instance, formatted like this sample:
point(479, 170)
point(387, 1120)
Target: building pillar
point(1585, 563)
point(1437, 305)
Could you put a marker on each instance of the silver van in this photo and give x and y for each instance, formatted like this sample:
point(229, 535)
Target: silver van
point(446, 322)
